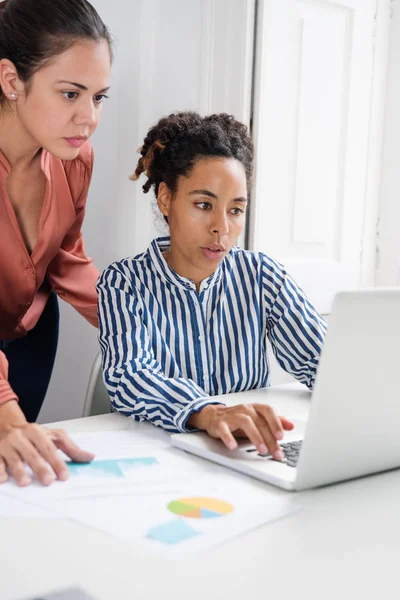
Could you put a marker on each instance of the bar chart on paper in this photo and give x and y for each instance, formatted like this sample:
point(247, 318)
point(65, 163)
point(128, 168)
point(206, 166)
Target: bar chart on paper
point(112, 468)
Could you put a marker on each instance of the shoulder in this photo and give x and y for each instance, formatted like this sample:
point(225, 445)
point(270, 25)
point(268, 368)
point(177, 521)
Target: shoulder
point(256, 261)
point(124, 274)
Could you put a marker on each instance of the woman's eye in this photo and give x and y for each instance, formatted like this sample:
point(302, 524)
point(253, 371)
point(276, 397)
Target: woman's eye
point(99, 98)
point(203, 205)
point(70, 95)
point(237, 211)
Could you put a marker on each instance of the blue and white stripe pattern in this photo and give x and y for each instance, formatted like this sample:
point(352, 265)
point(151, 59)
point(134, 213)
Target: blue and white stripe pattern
point(167, 349)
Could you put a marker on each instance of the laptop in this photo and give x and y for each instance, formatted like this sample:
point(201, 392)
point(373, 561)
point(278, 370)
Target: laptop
point(353, 427)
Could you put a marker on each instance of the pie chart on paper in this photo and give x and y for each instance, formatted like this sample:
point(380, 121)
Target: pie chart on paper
point(200, 508)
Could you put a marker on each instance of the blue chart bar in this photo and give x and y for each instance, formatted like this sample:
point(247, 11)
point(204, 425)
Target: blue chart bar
point(173, 532)
point(120, 467)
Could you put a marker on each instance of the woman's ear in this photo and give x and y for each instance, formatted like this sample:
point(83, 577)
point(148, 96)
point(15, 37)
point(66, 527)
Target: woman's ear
point(164, 198)
point(10, 83)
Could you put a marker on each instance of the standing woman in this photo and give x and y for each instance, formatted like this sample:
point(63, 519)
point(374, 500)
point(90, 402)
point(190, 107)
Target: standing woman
point(55, 58)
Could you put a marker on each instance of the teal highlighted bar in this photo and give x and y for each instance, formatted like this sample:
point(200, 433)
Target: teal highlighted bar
point(173, 532)
point(110, 468)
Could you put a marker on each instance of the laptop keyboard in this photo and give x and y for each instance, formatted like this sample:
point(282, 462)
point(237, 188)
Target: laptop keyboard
point(291, 451)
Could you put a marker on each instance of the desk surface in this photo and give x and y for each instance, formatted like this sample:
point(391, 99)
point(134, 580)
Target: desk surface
point(344, 543)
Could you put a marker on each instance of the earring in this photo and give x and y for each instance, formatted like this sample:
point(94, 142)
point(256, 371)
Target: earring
point(12, 96)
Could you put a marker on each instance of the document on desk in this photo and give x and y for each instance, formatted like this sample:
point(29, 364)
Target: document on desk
point(18, 509)
point(157, 497)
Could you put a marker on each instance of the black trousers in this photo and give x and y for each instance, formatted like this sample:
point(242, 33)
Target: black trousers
point(31, 360)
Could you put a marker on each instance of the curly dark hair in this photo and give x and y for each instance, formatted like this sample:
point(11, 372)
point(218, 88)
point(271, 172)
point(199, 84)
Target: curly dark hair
point(172, 147)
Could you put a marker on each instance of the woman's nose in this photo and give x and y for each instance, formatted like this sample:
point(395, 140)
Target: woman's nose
point(88, 115)
point(220, 225)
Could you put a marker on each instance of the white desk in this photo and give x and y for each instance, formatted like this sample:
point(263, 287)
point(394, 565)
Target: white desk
point(345, 543)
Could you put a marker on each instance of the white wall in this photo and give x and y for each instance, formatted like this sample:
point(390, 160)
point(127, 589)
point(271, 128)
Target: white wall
point(388, 251)
point(169, 55)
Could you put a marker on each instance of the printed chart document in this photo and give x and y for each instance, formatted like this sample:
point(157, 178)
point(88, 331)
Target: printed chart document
point(147, 493)
point(15, 508)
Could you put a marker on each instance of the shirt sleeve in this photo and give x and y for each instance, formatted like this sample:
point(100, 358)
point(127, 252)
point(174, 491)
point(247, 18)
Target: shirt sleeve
point(294, 327)
point(71, 273)
point(133, 377)
point(6, 392)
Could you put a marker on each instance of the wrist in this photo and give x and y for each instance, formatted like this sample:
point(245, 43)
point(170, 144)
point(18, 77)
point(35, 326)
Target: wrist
point(202, 418)
point(11, 414)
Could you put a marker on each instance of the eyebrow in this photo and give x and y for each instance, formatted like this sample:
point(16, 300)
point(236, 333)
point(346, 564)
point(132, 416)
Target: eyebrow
point(82, 87)
point(212, 195)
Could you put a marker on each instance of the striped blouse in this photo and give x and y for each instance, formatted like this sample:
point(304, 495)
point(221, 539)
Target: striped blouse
point(167, 349)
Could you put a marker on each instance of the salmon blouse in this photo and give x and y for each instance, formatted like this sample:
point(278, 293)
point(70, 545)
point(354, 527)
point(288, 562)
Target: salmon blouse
point(58, 261)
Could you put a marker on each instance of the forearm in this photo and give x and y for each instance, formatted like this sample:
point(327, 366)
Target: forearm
point(73, 278)
point(11, 414)
point(6, 391)
point(148, 395)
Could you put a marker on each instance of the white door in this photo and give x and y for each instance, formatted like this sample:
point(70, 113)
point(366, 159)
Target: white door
point(314, 74)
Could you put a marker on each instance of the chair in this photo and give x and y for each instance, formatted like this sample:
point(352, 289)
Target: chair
point(97, 400)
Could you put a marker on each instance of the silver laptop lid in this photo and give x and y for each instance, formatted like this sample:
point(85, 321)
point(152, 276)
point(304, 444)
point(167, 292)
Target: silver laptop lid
point(354, 423)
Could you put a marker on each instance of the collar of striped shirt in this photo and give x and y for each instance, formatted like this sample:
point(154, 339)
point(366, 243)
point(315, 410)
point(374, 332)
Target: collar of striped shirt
point(156, 251)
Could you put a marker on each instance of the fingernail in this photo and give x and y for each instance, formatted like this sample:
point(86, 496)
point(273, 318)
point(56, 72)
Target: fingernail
point(48, 479)
point(25, 480)
point(263, 449)
point(278, 455)
point(232, 445)
point(63, 476)
point(278, 435)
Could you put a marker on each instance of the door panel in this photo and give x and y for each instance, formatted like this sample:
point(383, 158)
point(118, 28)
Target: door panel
point(314, 72)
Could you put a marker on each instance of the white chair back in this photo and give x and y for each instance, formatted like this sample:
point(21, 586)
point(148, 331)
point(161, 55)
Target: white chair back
point(97, 401)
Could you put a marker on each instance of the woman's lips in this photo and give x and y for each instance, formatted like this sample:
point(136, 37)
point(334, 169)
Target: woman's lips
point(213, 253)
point(76, 142)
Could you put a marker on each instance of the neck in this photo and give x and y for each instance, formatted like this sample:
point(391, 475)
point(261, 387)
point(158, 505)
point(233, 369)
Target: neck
point(17, 145)
point(180, 266)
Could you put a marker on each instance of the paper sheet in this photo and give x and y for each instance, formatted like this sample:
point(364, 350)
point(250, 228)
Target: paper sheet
point(13, 507)
point(124, 463)
point(121, 443)
point(29, 501)
point(179, 521)
point(156, 497)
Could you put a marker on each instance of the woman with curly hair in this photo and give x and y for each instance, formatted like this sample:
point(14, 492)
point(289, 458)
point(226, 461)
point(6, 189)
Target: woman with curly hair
point(189, 318)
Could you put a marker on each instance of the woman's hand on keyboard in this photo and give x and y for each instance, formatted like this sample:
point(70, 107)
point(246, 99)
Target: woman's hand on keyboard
point(257, 422)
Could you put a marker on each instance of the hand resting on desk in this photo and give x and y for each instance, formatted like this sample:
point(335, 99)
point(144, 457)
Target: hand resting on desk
point(22, 442)
point(258, 422)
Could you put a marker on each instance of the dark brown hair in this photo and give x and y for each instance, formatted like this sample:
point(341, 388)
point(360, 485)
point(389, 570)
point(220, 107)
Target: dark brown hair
point(172, 147)
point(32, 32)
